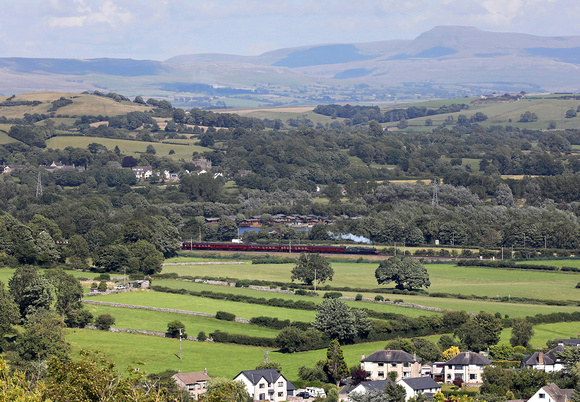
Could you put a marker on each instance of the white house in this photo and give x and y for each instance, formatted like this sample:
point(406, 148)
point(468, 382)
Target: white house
point(363, 388)
point(547, 362)
point(419, 385)
point(266, 385)
point(466, 365)
point(552, 393)
point(379, 363)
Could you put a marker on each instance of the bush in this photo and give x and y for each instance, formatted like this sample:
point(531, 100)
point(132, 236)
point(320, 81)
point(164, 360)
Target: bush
point(104, 322)
point(224, 337)
point(173, 328)
point(332, 295)
point(224, 315)
point(102, 286)
point(379, 298)
point(201, 337)
point(103, 277)
point(358, 297)
point(399, 301)
point(300, 292)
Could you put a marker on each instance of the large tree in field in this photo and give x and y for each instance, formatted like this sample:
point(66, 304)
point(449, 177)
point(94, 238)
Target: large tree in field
point(480, 332)
point(31, 290)
point(406, 272)
point(310, 267)
point(522, 331)
point(337, 321)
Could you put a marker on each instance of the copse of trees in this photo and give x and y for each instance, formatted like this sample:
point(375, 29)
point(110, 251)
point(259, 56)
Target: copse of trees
point(407, 273)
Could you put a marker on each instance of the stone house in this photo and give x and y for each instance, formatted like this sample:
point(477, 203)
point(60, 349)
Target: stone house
point(379, 363)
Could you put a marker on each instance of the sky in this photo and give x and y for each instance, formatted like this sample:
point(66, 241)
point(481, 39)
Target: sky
point(161, 29)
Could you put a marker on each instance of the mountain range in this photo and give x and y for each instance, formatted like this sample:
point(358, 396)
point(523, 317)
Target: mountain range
point(464, 57)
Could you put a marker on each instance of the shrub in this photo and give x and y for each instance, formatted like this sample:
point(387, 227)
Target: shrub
point(399, 301)
point(201, 337)
point(102, 286)
point(224, 315)
point(103, 277)
point(332, 295)
point(358, 297)
point(300, 292)
point(104, 322)
point(379, 298)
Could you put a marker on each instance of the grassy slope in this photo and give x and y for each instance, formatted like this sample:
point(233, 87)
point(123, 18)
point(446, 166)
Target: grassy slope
point(444, 278)
point(127, 147)
point(157, 321)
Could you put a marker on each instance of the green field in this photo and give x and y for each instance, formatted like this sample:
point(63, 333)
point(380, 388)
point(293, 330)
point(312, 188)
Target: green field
point(205, 305)
point(385, 308)
point(447, 278)
point(127, 147)
point(157, 321)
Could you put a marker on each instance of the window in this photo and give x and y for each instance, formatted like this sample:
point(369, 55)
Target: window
point(542, 396)
point(381, 364)
point(406, 365)
point(381, 373)
point(262, 385)
point(280, 394)
point(473, 376)
point(262, 397)
point(394, 364)
point(407, 374)
point(280, 383)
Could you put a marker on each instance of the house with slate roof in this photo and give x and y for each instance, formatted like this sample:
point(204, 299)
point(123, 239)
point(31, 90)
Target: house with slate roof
point(379, 363)
point(547, 362)
point(466, 365)
point(266, 385)
point(419, 385)
point(569, 342)
point(363, 388)
point(194, 383)
point(552, 393)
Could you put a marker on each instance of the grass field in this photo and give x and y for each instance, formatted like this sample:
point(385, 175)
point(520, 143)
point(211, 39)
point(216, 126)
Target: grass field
point(205, 305)
point(157, 321)
point(127, 147)
point(444, 278)
point(198, 287)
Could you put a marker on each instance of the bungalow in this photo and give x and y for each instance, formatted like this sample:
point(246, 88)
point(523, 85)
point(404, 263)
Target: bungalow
point(419, 385)
point(379, 363)
point(547, 362)
point(362, 388)
point(552, 393)
point(466, 365)
point(266, 385)
point(194, 383)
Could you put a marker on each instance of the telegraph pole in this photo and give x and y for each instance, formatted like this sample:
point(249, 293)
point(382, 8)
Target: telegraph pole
point(180, 344)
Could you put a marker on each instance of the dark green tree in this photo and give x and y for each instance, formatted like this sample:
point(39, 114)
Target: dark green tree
point(104, 322)
point(406, 272)
point(336, 365)
point(310, 267)
point(144, 258)
point(222, 389)
point(335, 319)
point(173, 329)
point(10, 315)
point(31, 290)
point(522, 332)
point(69, 292)
point(112, 258)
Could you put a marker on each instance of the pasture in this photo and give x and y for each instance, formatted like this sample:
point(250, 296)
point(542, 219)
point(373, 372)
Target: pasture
point(128, 147)
point(447, 278)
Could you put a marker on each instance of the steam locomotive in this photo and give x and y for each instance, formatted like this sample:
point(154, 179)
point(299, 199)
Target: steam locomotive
point(284, 248)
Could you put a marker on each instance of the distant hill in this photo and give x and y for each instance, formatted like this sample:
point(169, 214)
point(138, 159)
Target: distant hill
point(463, 57)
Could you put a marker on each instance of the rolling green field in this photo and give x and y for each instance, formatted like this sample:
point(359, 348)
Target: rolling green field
point(157, 321)
point(447, 278)
point(205, 305)
point(127, 147)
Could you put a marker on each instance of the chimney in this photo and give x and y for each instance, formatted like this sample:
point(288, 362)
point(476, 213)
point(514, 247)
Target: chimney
point(179, 371)
point(362, 357)
point(541, 358)
point(205, 371)
point(415, 356)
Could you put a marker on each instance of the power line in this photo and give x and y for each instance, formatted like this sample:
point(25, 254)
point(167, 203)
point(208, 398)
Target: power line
point(435, 200)
point(38, 186)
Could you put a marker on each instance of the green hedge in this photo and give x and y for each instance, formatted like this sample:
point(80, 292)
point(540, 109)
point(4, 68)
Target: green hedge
point(224, 315)
point(225, 337)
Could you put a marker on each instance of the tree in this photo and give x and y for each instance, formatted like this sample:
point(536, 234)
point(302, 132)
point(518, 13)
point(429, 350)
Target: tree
point(78, 248)
point(43, 337)
point(335, 319)
point(10, 315)
point(406, 272)
point(104, 322)
point(175, 329)
point(480, 332)
point(222, 389)
point(145, 258)
point(69, 292)
point(504, 196)
point(570, 113)
point(310, 267)
point(336, 365)
point(522, 332)
point(292, 339)
point(102, 286)
point(31, 291)
point(112, 257)
point(150, 150)
point(450, 353)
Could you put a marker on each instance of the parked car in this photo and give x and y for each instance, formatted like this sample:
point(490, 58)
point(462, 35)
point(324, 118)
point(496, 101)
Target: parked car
point(118, 287)
point(303, 395)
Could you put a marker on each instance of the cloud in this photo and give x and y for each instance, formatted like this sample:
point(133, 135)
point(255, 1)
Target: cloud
point(107, 13)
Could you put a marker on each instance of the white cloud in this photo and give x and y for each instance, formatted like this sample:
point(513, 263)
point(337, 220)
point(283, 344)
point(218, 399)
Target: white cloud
point(107, 13)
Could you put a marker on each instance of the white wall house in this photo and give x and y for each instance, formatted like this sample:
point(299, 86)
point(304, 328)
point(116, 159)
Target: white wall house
point(266, 385)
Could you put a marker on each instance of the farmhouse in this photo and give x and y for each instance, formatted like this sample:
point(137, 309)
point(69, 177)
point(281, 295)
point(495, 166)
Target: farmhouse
point(266, 384)
point(379, 363)
point(466, 365)
point(362, 388)
point(194, 383)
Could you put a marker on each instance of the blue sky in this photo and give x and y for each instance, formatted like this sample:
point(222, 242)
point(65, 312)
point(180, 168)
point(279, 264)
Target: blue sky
point(160, 29)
